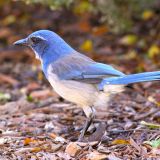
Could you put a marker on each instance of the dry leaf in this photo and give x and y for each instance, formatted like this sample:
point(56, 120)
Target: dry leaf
point(129, 39)
point(27, 141)
point(42, 94)
point(120, 141)
point(36, 149)
point(87, 46)
point(134, 144)
point(5, 32)
point(150, 125)
point(84, 26)
point(153, 100)
point(100, 30)
point(96, 156)
point(113, 157)
point(8, 79)
point(3, 141)
point(9, 20)
point(53, 135)
point(83, 6)
point(73, 149)
point(147, 14)
point(153, 51)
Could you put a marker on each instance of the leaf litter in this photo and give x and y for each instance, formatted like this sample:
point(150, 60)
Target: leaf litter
point(35, 123)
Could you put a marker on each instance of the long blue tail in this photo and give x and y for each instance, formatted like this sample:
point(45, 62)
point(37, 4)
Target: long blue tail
point(133, 78)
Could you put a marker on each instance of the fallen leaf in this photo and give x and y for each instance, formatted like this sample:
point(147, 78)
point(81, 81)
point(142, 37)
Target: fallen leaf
point(130, 39)
point(120, 141)
point(53, 135)
point(113, 157)
point(17, 106)
point(84, 144)
point(41, 94)
point(27, 141)
point(155, 151)
point(5, 32)
point(96, 156)
point(56, 147)
point(23, 150)
point(8, 79)
point(60, 139)
point(153, 51)
point(154, 143)
point(150, 125)
point(147, 14)
point(5, 96)
point(73, 149)
point(49, 126)
point(40, 76)
point(135, 145)
point(100, 30)
point(131, 55)
point(8, 20)
point(32, 86)
point(87, 46)
point(83, 6)
point(3, 140)
point(84, 26)
point(36, 149)
point(153, 100)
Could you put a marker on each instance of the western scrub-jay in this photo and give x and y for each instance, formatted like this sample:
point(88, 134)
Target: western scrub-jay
point(76, 77)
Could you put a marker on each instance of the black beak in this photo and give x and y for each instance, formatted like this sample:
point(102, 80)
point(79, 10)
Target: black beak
point(22, 42)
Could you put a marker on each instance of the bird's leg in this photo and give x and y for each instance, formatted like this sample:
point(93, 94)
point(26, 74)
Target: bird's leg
point(89, 111)
point(85, 128)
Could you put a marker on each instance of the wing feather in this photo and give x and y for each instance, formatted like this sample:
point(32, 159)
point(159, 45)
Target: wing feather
point(79, 67)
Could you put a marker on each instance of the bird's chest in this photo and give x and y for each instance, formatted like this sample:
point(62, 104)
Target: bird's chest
point(73, 91)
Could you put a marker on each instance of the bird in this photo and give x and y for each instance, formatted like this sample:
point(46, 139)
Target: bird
point(76, 77)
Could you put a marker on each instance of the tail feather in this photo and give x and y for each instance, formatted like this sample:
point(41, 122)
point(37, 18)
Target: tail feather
point(129, 79)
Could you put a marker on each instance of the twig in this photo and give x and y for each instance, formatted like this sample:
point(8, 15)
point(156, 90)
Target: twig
point(139, 117)
point(44, 103)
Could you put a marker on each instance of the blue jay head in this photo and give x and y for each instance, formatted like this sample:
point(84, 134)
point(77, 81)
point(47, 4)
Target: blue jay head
point(46, 45)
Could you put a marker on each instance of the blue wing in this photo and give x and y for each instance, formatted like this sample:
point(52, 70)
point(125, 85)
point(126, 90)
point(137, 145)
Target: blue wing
point(81, 68)
point(93, 71)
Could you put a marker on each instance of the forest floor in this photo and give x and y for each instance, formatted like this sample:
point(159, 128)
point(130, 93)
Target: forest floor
point(35, 123)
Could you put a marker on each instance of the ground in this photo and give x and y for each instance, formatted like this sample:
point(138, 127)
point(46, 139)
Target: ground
point(35, 123)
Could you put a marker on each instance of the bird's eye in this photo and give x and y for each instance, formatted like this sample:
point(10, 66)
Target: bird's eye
point(35, 40)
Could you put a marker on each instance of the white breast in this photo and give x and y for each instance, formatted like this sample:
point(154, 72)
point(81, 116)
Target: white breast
point(79, 93)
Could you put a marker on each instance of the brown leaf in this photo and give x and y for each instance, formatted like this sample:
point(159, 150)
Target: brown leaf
point(96, 156)
point(32, 86)
point(73, 149)
point(5, 32)
point(113, 157)
point(135, 145)
point(8, 79)
point(36, 149)
point(14, 107)
point(27, 141)
point(42, 94)
point(100, 30)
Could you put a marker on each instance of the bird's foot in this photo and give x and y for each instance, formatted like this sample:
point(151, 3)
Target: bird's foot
point(85, 128)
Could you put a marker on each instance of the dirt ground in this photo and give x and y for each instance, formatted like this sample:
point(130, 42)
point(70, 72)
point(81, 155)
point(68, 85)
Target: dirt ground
point(35, 123)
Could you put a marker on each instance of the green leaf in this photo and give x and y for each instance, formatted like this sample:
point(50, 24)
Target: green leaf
point(150, 125)
point(30, 98)
point(5, 96)
point(153, 143)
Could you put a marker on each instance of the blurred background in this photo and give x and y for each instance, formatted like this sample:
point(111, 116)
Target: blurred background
point(123, 33)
